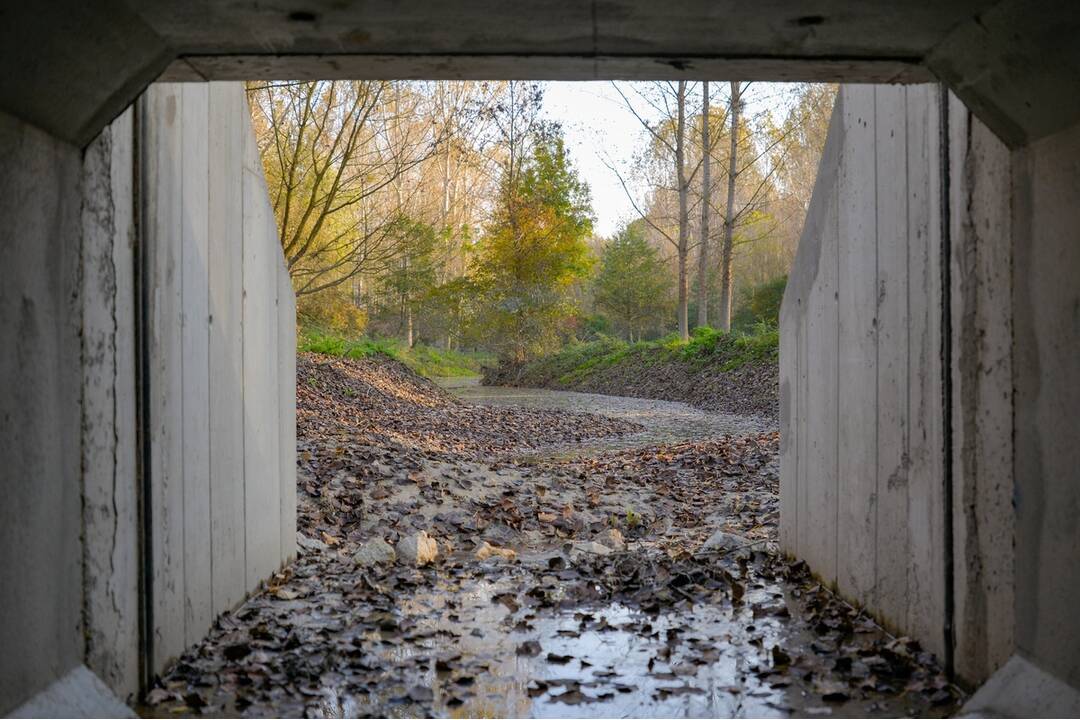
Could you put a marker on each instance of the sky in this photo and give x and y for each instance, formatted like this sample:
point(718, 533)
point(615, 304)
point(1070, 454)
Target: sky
point(598, 126)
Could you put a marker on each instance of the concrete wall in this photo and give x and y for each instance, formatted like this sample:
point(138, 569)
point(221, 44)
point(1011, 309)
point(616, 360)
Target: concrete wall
point(222, 316)
point(860, 364)
point(111, 497)
point(981, 426)
point(1046, 368)
point(79, 242)
point(40, 410)
point(865, 431)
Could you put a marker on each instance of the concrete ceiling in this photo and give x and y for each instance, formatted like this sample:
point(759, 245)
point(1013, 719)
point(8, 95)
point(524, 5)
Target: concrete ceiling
point(71, 65)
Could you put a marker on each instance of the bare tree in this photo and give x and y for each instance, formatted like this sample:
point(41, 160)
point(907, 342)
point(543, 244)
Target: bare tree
point(729, 215)
point(706, 202)
point(676, 148)
point(333, 154)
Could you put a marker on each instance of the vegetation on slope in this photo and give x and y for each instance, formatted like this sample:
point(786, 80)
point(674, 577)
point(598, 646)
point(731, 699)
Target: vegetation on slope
point(733, 372)
point(422, 359)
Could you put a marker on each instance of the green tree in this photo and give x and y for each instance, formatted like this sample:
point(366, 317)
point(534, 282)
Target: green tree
point(534, 250)
point(415, 272)
point(633, 285)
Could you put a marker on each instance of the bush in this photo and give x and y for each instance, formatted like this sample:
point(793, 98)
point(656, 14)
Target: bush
point(759, 304)
point(423, 359)
point(333, 311)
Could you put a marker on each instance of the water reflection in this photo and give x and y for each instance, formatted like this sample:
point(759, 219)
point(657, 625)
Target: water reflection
point(607, 661)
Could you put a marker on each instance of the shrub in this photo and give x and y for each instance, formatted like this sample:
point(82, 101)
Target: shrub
point(333, 311)
point(760, 303)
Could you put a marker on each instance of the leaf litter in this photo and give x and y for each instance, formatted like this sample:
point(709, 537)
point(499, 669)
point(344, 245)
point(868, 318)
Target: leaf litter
point(638, 580)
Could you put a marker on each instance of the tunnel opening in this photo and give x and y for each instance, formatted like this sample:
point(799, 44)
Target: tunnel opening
point(515, 545)
point(81, 213)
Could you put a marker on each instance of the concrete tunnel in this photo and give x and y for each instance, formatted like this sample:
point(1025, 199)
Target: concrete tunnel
point(929, 465)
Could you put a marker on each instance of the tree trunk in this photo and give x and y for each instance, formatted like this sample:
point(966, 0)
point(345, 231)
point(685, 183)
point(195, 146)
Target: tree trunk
point(729, 215)
point(684, 229)
point(706, 203)
point(409, 324)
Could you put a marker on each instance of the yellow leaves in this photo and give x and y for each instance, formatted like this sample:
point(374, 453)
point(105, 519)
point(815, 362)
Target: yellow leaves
point(487, 550)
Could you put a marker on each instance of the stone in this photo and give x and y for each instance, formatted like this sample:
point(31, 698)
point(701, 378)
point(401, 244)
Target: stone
point(500, 534)
point(721, 542)
point(308, 544)
point(487, 550)
point(419, 549)
point(374, 552)
point(591, 548)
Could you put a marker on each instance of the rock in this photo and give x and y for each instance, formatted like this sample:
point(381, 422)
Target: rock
point(419, 549)
point(488, 550)
point(613, 539)
point(590, 548)
point(374, 552)
point(500, 534)
point(721, 542)
point(308, 544)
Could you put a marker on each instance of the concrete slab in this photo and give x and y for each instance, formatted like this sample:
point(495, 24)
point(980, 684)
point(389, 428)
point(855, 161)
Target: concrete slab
point(226, 247)
point(1046, 255)
point(164, 184)
point(1021, 689)
point(820, 511)
point(78, 694)
point(925, 511)
point(893, 463)
point(287, 410)
point(262, 490)
point(40, 410)
point(195, 359)
point(110, 487)
point(857, 348)
point(981, 240)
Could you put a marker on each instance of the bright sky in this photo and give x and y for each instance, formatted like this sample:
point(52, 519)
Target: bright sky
point(598, 126)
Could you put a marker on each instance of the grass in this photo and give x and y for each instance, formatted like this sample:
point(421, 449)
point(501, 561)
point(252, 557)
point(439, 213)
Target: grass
point(706, 346)
point(423, 359)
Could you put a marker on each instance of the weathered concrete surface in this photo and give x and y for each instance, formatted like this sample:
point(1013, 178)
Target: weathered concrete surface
point(218, 475)
point(40, 411)
point(262, 256)
point(195, 364)
point(110, 487)
point(163, 193)
point(286, 314)
point(91, 59)
point(1014, 378)
point(861, 471)
point(71, 525)
point(226, 371)
point(1046, 327)
point(982, 418)
point(1021, 689)
point(78, 694)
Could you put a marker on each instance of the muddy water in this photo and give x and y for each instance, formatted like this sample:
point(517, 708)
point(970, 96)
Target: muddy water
point(611, 671)
point(700, 659)
point(663, 421)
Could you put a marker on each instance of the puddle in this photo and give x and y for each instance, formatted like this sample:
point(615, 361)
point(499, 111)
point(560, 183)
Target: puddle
point(607, 660)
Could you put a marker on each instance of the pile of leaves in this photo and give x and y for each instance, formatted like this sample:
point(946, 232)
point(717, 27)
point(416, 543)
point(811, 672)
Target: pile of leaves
point(380, 402)
point(636, 581)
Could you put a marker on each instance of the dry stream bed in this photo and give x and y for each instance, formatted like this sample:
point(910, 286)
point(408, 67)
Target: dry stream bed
point(536, 553)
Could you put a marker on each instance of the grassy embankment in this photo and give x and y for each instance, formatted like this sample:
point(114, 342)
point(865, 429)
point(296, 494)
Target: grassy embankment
point(423, 359)
point(576, 362)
